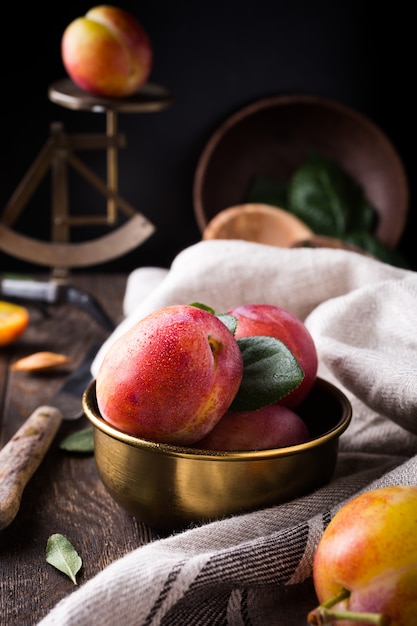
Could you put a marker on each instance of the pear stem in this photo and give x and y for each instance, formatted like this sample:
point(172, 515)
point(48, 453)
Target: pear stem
point(323, 614)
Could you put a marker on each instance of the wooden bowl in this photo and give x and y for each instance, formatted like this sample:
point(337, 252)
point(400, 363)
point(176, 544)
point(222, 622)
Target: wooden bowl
point(273, 137)
point(258, 222)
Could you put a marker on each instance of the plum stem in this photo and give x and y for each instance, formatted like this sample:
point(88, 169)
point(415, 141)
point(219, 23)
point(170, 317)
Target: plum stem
point(323, 614)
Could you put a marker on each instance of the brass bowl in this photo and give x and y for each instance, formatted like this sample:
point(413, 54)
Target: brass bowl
point(170, 487)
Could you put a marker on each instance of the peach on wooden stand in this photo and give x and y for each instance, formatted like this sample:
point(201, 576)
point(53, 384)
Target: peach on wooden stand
point(107, 52)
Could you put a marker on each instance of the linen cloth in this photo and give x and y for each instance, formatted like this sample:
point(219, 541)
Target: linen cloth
point(256, 568)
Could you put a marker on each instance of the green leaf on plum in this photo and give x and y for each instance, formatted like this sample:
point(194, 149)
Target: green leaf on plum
point(199, 305)
point(229, 320)
point(270, 372)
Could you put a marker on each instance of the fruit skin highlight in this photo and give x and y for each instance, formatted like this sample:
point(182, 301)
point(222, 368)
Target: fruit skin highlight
point(14, 320)
point(171, 377)
point(107, 52)
point(274, 321)
point(273, 426)
point(370, 549)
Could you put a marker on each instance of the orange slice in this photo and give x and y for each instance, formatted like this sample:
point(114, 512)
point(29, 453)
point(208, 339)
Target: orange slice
point(13, 321)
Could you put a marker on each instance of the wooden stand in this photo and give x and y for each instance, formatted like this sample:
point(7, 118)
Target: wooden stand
point(59, 152)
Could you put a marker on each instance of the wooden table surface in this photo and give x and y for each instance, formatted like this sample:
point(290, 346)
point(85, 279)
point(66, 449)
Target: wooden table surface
point(65, 495)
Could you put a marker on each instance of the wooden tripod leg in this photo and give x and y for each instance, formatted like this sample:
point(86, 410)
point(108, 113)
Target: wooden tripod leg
point(112, 164)
point(28, 184)
point(60, 201)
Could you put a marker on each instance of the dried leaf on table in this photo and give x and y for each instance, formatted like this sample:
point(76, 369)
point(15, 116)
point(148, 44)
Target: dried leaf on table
point(81, 441)
point(40, 361)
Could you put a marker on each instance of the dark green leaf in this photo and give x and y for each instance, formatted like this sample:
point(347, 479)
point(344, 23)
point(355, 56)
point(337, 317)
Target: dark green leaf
point(268, 191)
point(366, 241)
point(327, 199)
point(62, 555)
point(81, 441)
point(270, 373)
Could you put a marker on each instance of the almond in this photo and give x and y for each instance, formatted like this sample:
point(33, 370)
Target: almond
point(40, 361)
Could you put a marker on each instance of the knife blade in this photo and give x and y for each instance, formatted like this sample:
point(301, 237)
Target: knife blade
point(51, 292)
point(22, 455)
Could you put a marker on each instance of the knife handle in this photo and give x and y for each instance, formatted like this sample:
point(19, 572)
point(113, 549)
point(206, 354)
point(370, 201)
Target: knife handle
point(22, 455)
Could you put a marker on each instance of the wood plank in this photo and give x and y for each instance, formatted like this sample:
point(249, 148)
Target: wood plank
point(66, 494)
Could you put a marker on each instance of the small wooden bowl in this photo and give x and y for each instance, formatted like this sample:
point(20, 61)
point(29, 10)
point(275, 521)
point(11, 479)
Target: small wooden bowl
point(258, 222)
point(273, 137)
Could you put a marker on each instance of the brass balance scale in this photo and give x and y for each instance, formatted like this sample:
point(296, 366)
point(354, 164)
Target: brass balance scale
point(57, 154)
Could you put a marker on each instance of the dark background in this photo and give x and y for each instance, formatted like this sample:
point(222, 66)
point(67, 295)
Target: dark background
point(216, 57)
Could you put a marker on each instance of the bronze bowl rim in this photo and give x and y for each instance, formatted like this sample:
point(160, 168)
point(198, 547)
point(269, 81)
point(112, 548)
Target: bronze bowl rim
point(93, 415)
